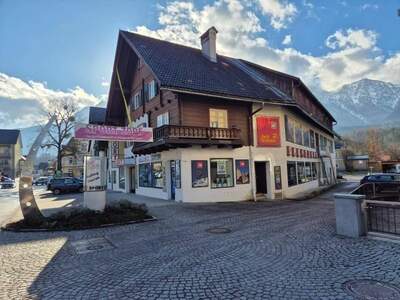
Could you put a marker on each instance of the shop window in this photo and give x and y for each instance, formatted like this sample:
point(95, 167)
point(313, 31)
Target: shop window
point(121, 183)
point(145, 175)
point(314, 170)
point(157, 172)
point(292, 174)
point(301, 178)
point(308, 171)
point(289, 129)
point(199, 173)
point(218, 118)
point(163, 119)
point(221, 172)
point(242, 171)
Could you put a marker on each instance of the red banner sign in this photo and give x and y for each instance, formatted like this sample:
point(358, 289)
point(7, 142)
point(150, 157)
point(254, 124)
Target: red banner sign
point(112, 133)
point(268, 132)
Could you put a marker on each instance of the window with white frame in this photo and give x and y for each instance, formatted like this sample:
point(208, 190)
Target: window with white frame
point(136, 100)
point(152, 89)
point(163, 119)
point(218, 118)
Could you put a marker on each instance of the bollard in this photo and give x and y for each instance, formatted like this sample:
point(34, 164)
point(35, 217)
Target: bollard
point(350, 220)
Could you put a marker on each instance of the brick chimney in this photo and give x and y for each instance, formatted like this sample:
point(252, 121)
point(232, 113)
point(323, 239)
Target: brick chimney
point(208, 44)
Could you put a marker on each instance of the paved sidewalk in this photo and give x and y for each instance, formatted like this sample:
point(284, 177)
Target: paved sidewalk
point(274, 250)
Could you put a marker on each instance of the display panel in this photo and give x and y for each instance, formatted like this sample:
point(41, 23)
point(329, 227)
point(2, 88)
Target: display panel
point(242, 171)
point(199, 173)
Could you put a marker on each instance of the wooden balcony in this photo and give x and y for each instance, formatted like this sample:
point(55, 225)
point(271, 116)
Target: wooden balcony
point(174, 136)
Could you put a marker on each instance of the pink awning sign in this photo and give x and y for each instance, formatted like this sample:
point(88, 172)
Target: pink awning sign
point(112, 133)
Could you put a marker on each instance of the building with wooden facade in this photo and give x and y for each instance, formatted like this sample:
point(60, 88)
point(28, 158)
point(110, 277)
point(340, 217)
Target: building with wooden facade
point(225, 129)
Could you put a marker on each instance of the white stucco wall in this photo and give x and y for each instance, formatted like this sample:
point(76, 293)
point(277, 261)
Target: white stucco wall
point(273, 156)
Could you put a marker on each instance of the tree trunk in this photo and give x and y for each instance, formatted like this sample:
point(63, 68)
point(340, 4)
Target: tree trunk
point(59, 166)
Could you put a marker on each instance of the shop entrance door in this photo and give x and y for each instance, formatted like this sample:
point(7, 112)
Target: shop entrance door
point(173, 179)
point(133, 179)
point(261, 177)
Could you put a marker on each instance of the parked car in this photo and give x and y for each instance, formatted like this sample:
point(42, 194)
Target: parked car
point(65, 185)
point(41, 181)
point(381, 178)
point(7, 183)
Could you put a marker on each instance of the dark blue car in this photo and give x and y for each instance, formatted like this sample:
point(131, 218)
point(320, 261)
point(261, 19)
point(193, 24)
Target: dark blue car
point(65, 185)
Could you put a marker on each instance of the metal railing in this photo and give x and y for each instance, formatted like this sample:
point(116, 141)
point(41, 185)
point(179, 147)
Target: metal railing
point(384, 191)
point(383, 217)
point(382, 206)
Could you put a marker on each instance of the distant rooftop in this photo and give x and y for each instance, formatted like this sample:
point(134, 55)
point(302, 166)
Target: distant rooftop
point(97, 115)
point(9, 136)
point(358, 157)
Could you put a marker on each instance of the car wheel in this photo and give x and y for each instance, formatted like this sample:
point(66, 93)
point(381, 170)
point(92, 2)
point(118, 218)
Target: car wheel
point(81, 190)
point(57, 192)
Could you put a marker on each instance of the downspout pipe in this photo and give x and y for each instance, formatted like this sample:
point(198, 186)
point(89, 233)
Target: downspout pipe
point(252, 171)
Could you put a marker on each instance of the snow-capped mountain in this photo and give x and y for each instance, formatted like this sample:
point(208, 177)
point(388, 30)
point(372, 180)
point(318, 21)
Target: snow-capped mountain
point(364, 103)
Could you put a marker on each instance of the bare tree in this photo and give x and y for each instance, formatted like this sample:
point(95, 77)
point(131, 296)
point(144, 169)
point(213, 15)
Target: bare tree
point(63, 114)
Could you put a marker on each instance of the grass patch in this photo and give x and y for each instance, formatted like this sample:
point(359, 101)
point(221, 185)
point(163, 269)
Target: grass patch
point(116, 213)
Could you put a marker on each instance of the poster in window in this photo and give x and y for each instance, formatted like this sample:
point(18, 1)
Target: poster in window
point(199, 173)
point(268, 132)
point(278, 177)
point(242, 171)
point(221, 171)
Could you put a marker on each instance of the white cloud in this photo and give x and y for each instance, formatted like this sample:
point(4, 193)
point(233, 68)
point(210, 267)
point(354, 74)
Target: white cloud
point(353, 52)
point(27, 101)
point(352, 38)
point(369, 6)
point(280, 11)
point(287, 40)
point(105, 83)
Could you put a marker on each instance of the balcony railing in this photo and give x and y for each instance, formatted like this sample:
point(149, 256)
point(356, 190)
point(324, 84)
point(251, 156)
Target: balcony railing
point(193, 132)
point(168, 136)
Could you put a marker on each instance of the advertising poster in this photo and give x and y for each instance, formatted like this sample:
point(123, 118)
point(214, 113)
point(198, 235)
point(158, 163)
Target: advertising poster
point(268, 132)
point(278, 177)
point(199, 173)
point(95, 173)
point(242, 171)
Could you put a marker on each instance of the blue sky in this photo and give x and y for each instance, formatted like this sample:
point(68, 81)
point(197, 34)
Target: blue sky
point(65, 48)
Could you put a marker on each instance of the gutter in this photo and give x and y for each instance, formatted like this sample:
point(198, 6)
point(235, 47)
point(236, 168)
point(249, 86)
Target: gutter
point(252, 173)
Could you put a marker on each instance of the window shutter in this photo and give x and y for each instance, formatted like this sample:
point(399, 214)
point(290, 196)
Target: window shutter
point(155, 88)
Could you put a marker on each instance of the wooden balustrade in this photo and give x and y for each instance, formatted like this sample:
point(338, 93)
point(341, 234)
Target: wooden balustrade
point(193, 132)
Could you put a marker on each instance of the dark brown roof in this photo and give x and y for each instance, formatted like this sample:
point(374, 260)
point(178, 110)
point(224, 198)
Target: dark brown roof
point(182, 67)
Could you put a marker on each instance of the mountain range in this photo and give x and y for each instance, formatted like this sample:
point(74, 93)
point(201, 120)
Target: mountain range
point(364, 103)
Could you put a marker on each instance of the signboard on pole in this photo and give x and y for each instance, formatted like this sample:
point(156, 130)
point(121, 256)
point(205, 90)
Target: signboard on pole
point(113, 133)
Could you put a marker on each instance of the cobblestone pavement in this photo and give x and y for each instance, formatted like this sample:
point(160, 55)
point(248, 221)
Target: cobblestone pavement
point(275, 250)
